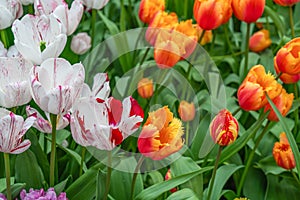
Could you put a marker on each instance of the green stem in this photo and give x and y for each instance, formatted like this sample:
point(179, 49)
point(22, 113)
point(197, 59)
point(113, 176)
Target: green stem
point(246, 51)
point(214, 173)
point(93, 25)
point(83, 151)
point(4, 38)
point(53, 119)
point(108, 175)
point(295, 176)
point(187, 133)
point(228, 39)
point(291, 21)
point(30, 9)
point(186, 9)
point(201, 36)
point(7, 171)
point(296, 112)
point(236, 112)
point(136, 170)
point(278, 76)
point(250, 158)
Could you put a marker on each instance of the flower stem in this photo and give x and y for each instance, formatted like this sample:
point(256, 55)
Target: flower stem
point(108, 175)
point(291, 21)
point(201, 36)
point(295, 176)
point(4, 38)
point(136, 170)
point(7, 171)
point(246, 51)
point(228, 39)
point(250, 158)
point(187, 127)
point(296, 112)
point(278, 76)
point(214, 173)
point(93, 25)
point(53, 119)
point(83, 150)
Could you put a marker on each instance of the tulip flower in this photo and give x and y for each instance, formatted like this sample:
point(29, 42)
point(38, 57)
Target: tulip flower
point(13, 127)
point(44, 125)
point(42, 195)
point(2, 197)
point(56, 84)
point(251, 94)
point(148, 8)
point(248, 10)
point(286, 2)
point(207, 37)
point(168, 176)
point(9, 11)
point(14, 79)
point(288, 57)
point(211, 14)
point(100, 88)
point(186, 111)
point(224, 128)
point(81, 43)
point(104, 124)
point(260, 40)
point(94, 4)
point(161, 135)
point(145, 88)
point(283, 154)
point(39, 37)
point(283, 103)
point(284, 77)
point(3, 50)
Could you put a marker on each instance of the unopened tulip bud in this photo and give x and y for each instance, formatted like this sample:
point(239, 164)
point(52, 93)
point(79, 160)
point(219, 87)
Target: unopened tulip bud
point(260, 40)
point(168, 176)
point(145, 88)
point(224, 128)
point(81, 43)
point(186, 111)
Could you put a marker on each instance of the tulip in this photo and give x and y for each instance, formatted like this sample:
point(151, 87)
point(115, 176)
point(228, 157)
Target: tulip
point(286, 2)
point(211, 14)
point(284, 77)
point(288, 57)
point(186, 111)
point(3, 51)
point(224, 128)
point(148, 8)
point(207, 37)
point(251, 94)
point(13, 127)
point(44, 125)
point(145, 88)
point(56, 84)
point(104, 124)
point(248, 10)
point(168, 176)
point(9, 11)
point(94, 4)
point(42, 195)
point(260, 40)
point(283, 103)
point(14, 79)
point(2, 197)
point(100, 88)
point(39, 37)
point(161, 135)
point(81, 43)
point(283, 154)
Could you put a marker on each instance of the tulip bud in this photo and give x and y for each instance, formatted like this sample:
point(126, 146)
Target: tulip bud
point(148, 8)
point(260, 40)
point(145, 88)
point(168, 176)
point(186, 111)
point(286, 2)
point(283, 154)
point(224, 128)
point(81, 43)
point(248, 10)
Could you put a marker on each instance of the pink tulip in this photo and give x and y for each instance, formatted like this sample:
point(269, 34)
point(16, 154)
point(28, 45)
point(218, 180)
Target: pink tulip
point(14, 82)
point(56, 84)
point(81, 43)
point(13, 127)
point(39, 37)
point(94, 4)
point(9, 11)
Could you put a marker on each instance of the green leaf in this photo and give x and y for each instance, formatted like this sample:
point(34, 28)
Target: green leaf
point(112, 27)
point(289, 135)
point(156, 190)
point(276, 19)
point(184, 194)
point(154, 177)
point(3, 183)
point(100, 185)
point(28, 171)
point(60, 187)
point(269, 166)
point(257, 192)
point(15, 189)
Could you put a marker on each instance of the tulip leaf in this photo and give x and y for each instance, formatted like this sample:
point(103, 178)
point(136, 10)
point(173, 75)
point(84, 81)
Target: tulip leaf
point(15, 189)
point(289, 134)
point(154, 177)
point(3, 183)
point(60, 187)
point(156, 190)
point(258, 191)
point(28, 171)
point(276, 19)
point(100, 185)
point(184, 194)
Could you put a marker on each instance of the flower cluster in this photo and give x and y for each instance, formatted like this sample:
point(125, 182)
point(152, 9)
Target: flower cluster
point(42, 195)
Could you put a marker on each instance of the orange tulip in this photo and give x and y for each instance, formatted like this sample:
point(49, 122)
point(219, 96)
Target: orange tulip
point(148, 8)
point(248, 10)
point(161, 21)
point(283, 154)
point(168, 176)
point(288, 57)
point(161, 135)
point(224, 128)
point(286, 2)
point(283, 102)
point(251, 94)
point(286, 78)
point(210, 14)
point(145, 88)
point(186, 111)
point(260, 40)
